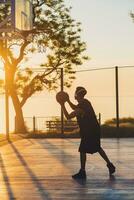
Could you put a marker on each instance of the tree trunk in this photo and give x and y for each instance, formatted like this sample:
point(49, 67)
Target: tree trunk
point(19, 119)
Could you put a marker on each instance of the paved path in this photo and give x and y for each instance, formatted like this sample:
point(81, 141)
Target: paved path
point(41, 169)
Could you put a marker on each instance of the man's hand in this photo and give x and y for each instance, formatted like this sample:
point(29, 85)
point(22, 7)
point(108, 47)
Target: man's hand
point(68, 99)
point(62, 103)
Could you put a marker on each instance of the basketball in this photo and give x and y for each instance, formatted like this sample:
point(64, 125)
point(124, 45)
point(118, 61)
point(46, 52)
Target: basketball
point(62, 97)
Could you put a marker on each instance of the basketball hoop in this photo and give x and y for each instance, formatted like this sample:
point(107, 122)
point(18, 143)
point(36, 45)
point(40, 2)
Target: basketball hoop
point(20, 17)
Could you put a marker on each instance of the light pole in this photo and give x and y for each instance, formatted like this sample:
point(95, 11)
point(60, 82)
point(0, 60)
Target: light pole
point(117, 100)
point(6, 94)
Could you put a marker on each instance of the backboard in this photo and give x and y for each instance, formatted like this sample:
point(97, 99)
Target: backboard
point(20, 17)
point(23, 16)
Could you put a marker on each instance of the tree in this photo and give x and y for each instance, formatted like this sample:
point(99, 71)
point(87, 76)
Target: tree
point(123, 121)
point(56, 35)
point(132, 15)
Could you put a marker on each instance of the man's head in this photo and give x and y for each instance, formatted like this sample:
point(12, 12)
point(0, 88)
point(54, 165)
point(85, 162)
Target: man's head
point(80, 93)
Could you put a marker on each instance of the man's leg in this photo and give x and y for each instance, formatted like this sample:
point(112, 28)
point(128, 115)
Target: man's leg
point(110, 166)
point(83, 160)
point(104, 156)
point(82, 173)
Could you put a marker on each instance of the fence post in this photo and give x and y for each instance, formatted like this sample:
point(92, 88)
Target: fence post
point(117, 99)
point(100, 119)
point(34, 124)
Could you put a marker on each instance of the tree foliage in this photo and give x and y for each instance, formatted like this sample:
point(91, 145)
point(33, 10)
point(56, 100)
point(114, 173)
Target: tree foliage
point(132, 15)
point(56, 35)
point(124, 120)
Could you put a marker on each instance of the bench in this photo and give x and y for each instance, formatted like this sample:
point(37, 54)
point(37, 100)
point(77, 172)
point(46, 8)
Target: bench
point(56, 125)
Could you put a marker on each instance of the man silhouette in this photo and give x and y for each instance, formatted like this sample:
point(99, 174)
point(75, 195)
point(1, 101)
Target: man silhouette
point(89, 131)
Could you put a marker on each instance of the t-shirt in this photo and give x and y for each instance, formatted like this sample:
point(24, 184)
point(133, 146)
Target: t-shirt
point(87, 120)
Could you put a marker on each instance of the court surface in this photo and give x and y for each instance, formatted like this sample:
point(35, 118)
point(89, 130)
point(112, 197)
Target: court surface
point(42, 168)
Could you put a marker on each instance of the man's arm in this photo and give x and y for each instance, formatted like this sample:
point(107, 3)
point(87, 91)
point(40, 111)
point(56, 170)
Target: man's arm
point(75, 113)
point(67, 115)
point(73, 106)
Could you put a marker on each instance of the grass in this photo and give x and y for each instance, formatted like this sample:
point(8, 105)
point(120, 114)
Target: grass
point(106, 132)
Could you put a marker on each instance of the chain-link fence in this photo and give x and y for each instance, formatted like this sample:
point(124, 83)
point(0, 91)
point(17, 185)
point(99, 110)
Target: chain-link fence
point(110, 91)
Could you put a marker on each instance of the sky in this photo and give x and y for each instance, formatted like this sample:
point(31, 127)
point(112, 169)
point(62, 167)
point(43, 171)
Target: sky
point(108, 31)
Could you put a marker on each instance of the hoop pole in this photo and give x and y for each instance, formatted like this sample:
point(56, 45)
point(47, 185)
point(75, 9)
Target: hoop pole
point(62, 115)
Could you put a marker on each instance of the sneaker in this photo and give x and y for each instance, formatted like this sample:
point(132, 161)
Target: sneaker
point(111, 168)
point(80, 175)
